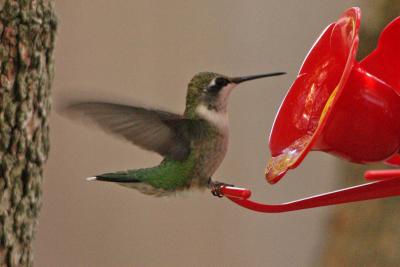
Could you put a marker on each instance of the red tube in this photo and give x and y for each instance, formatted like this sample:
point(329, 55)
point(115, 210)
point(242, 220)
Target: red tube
point(381, 174)
point(374, 190)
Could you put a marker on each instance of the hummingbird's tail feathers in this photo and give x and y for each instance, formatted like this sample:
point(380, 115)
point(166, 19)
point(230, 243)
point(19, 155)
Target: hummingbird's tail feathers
point(90, 179)
point(139, 179)
point(116, 177)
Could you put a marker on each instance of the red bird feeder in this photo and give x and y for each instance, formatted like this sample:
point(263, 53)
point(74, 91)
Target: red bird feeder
point(340, 106)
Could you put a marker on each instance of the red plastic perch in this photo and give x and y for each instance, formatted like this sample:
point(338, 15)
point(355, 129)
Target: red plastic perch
point(387, 187)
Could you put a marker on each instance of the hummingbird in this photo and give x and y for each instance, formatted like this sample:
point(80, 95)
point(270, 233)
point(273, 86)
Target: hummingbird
point(192, 145)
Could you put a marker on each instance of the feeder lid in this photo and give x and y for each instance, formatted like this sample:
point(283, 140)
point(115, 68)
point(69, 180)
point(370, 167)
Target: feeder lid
point(309, 101)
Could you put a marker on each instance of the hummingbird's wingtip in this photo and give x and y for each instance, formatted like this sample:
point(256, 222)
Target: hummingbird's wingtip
point(93, 178)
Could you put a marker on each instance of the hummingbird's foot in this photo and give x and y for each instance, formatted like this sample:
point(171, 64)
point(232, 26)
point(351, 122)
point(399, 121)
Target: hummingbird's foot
point(216, 187)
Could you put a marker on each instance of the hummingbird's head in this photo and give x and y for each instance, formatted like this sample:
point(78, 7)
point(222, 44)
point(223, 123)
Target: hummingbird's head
point(210, 90)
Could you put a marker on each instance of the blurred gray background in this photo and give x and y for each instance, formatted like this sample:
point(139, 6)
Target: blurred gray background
point(146, 52)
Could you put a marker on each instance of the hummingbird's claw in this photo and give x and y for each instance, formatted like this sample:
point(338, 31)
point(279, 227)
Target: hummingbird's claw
point(216, 187)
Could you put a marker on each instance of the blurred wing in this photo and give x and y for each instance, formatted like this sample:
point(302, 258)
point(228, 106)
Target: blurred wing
point(154, 130)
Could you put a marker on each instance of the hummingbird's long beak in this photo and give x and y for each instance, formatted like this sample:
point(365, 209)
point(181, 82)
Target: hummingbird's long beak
point(238, 80)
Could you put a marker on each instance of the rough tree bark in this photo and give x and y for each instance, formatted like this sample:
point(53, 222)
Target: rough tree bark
point(368, 233)
point(27, 33)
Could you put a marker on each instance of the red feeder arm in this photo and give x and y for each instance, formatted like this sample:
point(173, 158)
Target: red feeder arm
point(338, 105)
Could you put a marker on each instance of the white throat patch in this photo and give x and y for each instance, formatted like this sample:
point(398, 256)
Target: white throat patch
point(218, 119)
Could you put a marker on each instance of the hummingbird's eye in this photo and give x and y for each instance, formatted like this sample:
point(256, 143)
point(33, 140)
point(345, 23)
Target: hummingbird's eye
point(217, 84)
point(221, 82)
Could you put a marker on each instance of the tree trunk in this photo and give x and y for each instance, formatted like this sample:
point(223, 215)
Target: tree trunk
point(368, 233)
point(27, 30)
